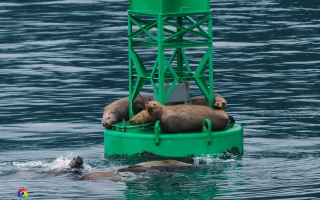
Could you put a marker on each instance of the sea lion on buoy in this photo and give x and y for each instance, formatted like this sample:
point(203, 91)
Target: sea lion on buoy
point(141, 117)
point(102, 175)
point(77, 162)
point(145, 166)
point(219, 102)
point(186, 118)
point(119, 110)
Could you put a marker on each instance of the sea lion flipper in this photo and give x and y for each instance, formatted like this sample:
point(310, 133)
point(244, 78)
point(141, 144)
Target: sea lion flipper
point(231, 120)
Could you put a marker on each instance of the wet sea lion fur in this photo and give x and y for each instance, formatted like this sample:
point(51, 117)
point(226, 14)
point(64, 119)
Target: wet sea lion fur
point(102, 175)
point(186, 118)
point(145, 166)
point(218, 101)
point(119, 110)
point(77, 162)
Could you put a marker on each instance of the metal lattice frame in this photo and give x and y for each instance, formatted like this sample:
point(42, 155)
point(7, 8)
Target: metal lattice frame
point(162, 71)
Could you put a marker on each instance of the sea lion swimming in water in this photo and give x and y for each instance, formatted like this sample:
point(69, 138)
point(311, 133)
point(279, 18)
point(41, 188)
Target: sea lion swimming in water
point(74, 166)
point(140, 168)
point(145, 166)
point(77, 162)
point(102, 175)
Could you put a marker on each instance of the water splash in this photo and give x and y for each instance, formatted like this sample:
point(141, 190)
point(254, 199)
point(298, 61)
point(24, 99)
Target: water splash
point(210, 159)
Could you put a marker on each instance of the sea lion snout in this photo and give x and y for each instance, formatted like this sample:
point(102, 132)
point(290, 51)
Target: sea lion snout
point(107, 120)
point(147, 105)
point(106, 125)
point(220, 105)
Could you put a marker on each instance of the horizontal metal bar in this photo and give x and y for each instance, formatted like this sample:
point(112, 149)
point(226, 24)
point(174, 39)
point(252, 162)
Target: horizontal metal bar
point(169, 14)
point(173, 45)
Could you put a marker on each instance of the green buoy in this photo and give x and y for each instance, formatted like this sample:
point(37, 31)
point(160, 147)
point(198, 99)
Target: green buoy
point(170, 27)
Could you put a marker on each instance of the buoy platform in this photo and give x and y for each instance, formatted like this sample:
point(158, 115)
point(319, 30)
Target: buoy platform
point(171, 28)
point(148, 140)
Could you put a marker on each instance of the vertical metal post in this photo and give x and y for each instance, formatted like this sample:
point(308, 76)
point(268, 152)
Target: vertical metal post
point(179, 52)
point(211, 92)
point(131, 114)
point(161, 97)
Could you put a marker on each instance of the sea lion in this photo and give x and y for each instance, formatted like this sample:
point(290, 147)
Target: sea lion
point(219, 102)
point(140, 167)
point(141, 117)
point(145, 166)
point(77, 162)
point(119, 110)
point(74, 166)
point(186, 118)
point(102, 175)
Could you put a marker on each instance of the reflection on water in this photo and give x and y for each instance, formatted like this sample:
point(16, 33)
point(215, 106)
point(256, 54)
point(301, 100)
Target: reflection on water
point(62, 61)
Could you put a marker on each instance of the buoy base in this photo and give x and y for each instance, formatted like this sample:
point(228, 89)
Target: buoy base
point(126, 140)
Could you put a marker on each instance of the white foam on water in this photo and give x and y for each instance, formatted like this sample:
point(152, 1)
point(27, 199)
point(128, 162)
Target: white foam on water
point(209, 159)
point(63, 163)
point(59, 163)
point(29, 164)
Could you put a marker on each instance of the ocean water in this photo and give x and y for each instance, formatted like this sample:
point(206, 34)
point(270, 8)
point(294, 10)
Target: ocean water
point(62, 61)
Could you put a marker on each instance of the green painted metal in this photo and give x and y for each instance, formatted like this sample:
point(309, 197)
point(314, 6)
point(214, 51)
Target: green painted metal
point(169, 6)
point(164, 29)
point(169, 26)
point(136, 141)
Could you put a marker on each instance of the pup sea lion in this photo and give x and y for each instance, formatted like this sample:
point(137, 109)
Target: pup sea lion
point(141, 117)
point(219, 102)
point(119, 110)
point(102, 175)
point(186, 118)
point(145, 166)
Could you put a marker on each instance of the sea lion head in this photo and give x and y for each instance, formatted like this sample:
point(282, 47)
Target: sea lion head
point(220, 105)
point(137, 119)
point(219, 101)
point(77, 162)
point(154, 109)
point(108, 119)
point(141, 117)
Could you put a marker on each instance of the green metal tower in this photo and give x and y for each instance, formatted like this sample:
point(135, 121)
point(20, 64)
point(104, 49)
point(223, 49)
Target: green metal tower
point(169, 26)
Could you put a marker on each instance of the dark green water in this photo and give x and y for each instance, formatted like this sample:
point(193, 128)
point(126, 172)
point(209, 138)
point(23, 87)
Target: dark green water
point(62, 61)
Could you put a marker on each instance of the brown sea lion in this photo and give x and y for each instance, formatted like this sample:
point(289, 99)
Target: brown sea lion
point(74, 166)
point(186, 118)
point(119, 110)
point(219, 102)
point(145, 166)
point(77, 162)
point(141, 117)
point(102, 175)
